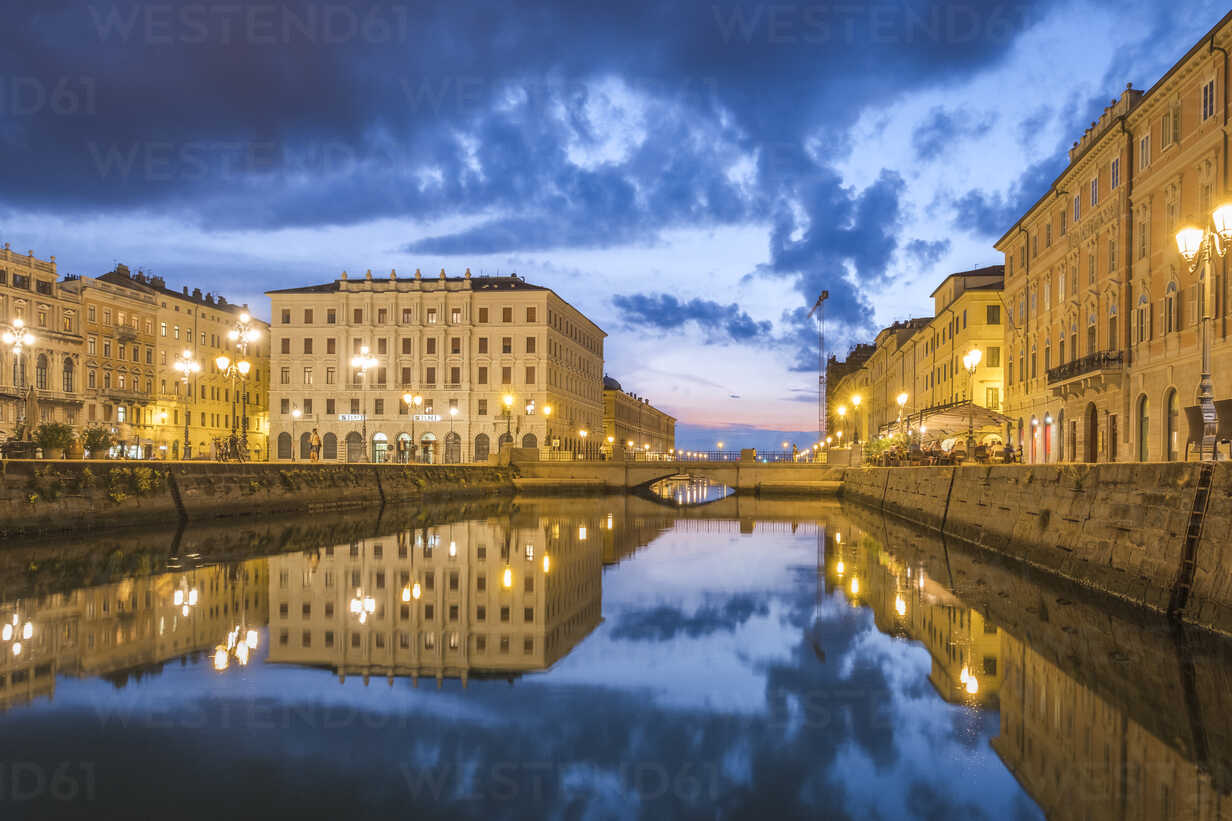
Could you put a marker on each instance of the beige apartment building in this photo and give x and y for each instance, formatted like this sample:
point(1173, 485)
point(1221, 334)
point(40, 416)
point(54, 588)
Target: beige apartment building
point(134, 330)
point(31, 297)
point(212, 400)
point(632, 423)
point(1103, 321)
point(487, 598)
point(923, 359)
point(485, 360)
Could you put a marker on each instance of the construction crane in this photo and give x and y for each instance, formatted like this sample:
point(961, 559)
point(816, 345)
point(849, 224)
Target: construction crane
point(820, 309)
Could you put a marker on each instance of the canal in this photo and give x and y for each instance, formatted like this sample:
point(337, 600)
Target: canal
point(589, 658)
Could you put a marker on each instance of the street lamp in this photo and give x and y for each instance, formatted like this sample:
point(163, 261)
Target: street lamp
point(583, 433)
point(507, 401)
point(413, 401)
point(362, 362)
point(901, 399)
point(185, 365)
point(16, 337)
point(971, 361)
point(547, 424)
point(1199, 246)
point(842, 417)
point(236, 371)
point(296, 413)
point(240, 335)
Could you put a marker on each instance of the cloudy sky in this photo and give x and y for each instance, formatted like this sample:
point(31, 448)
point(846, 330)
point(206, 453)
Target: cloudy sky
point(689, 174)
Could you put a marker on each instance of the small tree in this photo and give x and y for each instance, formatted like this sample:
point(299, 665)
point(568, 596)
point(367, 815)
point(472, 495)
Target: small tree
point(96, 439)
point(53, 436)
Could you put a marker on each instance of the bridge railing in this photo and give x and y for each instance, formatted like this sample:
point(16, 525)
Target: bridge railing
point(683, 456)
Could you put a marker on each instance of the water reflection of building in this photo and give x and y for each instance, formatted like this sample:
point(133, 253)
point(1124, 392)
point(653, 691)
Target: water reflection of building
point(1080, 756)
point(127, 626)
point(493, 597)
point(965, 648)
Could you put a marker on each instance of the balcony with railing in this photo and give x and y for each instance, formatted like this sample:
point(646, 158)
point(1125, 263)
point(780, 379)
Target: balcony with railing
point(1093, 367)
point(126, 333)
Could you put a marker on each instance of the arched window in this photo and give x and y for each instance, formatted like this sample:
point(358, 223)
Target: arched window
point(481, 447)
point(529, 441)
point(329, 447)
point(284, 445)
point(1171, 425)
point(67, 376)
point(1144, 429)
point(40, 372)
point(453, 448)
point(305, 445)
point(1091, 335)
point(354, 447)
point(505, 439)
point(1142, 319)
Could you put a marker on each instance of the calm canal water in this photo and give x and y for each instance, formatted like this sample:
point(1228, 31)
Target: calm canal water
point(602, 658)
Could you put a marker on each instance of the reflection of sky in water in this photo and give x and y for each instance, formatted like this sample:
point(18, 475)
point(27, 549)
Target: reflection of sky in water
point(701, 694)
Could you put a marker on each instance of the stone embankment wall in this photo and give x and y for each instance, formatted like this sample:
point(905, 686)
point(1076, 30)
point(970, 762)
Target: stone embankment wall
point(1117, 528)
point(38, 497)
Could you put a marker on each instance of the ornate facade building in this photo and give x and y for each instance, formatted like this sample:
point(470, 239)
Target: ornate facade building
point(135, 329)
point(1103, 321)
point(31, 297)
point(922, 359)
point(632, 423)
point(483, 360)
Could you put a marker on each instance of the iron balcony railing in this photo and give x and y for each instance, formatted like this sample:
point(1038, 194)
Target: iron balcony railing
point(1100, 361)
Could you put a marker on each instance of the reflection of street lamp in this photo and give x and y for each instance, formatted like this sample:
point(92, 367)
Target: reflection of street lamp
point(15, 632)
point(362, 606)
point(240, 643)
point(1199, 246)
point(363, 362)
point(185, 597)
point(971, 361)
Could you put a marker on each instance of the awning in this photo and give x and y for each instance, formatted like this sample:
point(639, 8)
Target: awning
point(944, 421)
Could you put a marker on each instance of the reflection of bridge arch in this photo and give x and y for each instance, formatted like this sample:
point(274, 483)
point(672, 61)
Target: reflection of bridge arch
point(644, 474)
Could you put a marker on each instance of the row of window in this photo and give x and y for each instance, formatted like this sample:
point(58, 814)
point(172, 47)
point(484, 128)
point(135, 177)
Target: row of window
point(427, 612)
point(403, 639)
point(382, 315)
point(382, 346)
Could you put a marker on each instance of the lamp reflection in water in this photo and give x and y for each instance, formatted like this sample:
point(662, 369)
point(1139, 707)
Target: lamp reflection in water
point(185, 597)
point(362, 606)
point(240, 644)
point(14, 632)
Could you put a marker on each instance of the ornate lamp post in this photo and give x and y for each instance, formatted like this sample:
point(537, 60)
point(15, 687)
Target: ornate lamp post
point(1199, 247)
point(362, 362)
point(842, 417)
point(901, 399)
point(547, 424)
point(236, 371)
point(583, 433)
point(17, 337)
point(240, 335)
point(296, 413)
point(971, 361)
point(856, 399)
point(413, 401)
point(186, 366)
point(507, 401)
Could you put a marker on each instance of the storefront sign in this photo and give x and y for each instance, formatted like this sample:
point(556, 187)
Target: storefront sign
point(426, 417)
point(350, 417)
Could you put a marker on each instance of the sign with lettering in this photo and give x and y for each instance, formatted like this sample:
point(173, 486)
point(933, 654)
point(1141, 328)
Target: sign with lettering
point(350, 417)
point(427, 417)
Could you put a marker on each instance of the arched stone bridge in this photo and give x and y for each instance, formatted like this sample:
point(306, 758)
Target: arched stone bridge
point(746, 476)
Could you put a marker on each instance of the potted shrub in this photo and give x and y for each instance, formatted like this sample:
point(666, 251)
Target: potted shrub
point(54, 438)
point(97, 440)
